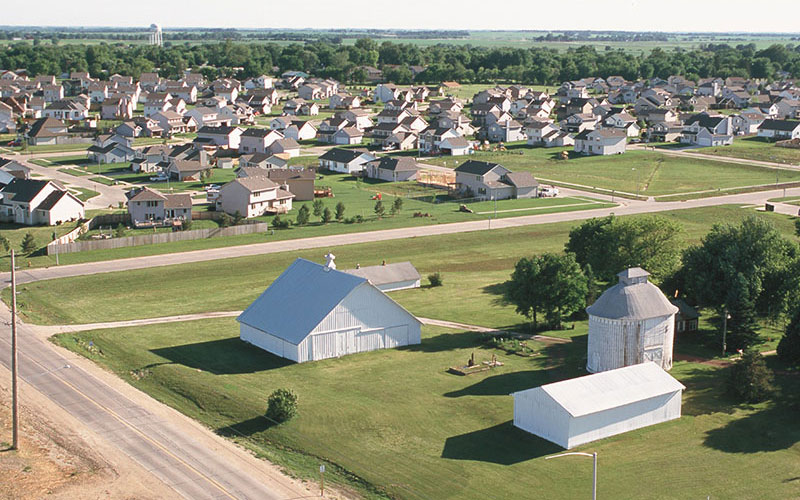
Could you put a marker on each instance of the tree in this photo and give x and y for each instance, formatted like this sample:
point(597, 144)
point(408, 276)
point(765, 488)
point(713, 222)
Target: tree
point(610, 245)
point(747, 270)
point(797, 226)
point(302, 215)
point(327, 216)
point(237, 218)
point(522, 290)
point(225, 220)
point(318, 206)
point(119, 231)
point(28, 243)
point(435, 279)
point(749, 379)
point(789, 346)
point(5, 243)
point(397, 205)
point(379, 209)
point(281, 405)
point(339, 211)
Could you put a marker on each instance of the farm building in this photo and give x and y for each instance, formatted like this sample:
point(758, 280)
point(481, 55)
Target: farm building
point(389, 277)
point(632, 322)
point(597, 406)
point(314, 312)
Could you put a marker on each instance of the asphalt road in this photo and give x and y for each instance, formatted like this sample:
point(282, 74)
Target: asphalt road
point(324, 242)
point(190, 460)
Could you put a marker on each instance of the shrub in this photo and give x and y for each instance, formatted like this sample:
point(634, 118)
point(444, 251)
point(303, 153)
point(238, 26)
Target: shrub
point(186, 225)
point(327, 216)
point(302, 215)
point(28, 243)
point(789, 346)
point(279, 223)
point(281, 405)
point(339, 211)
point(435, 279)
point(225, 220)
point(749, 379)
point(379, 209)
point(119, 231)
point(317, 207)
point(4, 243)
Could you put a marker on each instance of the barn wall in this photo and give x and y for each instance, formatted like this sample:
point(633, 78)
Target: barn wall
point(268, 342)
point(624, 418)
point(536, 412)
point(365, 308)
point(617, 343)
point(399, 285)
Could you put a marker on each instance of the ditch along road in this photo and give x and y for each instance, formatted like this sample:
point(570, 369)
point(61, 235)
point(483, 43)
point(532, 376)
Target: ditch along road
point(627, 207)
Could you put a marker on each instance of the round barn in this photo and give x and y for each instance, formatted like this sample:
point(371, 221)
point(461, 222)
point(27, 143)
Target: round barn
point(632, 322)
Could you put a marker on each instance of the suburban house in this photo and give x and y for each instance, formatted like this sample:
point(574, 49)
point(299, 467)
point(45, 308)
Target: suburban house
point(455, 146)
point(33, 202)
point(687, 318)
point(779, 129)
point(110, 151)
point(300, 131)
point(186, 170)
point(348, 135)
point(253, 197)
point(66, 109)
point(15, 168)
point(488, 181)
point(606, 141)
point(116, 108)
point(46, 131)
point(389, 277)
point(584, 409)
point(346, 161)
point(537, 130)
point(258, 140)
point(226, 137)
point(148, 207)
point(288, 147)
point(508, 131)
point(313, 312)
point(393, 169)
point(300, 182)
point(706, 130)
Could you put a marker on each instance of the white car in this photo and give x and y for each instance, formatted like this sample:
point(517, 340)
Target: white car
point(159, 178)
point(212, 187)
point(548, 192)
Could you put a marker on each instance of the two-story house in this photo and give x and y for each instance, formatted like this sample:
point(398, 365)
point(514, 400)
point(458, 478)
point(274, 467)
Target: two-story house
point(148, 207)
point(606, 141)
point(254, 196)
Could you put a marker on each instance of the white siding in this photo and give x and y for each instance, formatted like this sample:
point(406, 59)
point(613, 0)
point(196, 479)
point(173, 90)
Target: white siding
point(617, 343)
point(398, 285)
point(624, 418)
point(268, 342)
point(536, 412)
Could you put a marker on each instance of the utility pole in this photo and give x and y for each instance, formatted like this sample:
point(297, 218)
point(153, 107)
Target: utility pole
point(725, 331)
point(14, 389)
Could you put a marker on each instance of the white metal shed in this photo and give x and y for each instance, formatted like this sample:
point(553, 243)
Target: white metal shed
point(314, 312)
point(592, 407)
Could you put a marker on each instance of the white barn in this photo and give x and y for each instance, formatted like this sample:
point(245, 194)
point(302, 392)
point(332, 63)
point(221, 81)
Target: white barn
point(632, 322)
point(314, 312)
point(597, 406)
point(390, 277)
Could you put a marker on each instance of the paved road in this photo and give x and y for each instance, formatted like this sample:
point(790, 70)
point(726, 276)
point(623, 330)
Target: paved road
point(187, 458)
point(324, 242)
point(109, 195)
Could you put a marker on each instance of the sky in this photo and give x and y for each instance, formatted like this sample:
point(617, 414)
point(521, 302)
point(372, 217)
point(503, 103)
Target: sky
point(627, 15)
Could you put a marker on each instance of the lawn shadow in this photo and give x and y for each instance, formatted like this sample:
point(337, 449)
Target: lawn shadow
point(502, 444)
point(503, 384)
point(771, 429)
point(223, 357)
point(446, 342)
point(705, 392)
point(246, 428)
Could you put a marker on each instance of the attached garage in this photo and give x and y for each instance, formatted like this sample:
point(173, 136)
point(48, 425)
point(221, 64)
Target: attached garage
point(314, 312)
point(585, 409)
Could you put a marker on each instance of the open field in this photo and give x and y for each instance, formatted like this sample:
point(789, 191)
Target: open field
point(472, 264)
point(648, 173)
point(755, 148)
point(406, 428)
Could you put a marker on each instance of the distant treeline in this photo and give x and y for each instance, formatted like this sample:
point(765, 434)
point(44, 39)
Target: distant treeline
point(602, 36)
point(444, 62)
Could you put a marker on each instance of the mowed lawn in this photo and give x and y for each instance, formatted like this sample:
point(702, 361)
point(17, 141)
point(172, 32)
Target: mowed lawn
point(473, 265)
point(755, 148)
point(646, 172)
point(406, 428)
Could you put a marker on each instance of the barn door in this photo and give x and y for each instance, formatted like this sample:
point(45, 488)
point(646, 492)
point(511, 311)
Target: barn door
point(654, 354)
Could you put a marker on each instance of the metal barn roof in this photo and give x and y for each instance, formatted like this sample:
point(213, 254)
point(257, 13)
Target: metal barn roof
point(633, 298)
point(611, 389)
point(296, 302)
point(389, 273)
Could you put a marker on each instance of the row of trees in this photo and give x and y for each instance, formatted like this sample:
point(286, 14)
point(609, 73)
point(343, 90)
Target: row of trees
point(444, 62)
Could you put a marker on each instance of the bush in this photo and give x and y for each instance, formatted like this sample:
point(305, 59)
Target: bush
point(789, 346)
point(302, 215)
point(28, 243)
point(339, 211)
point(750, 380)
point(225, 220)
point(186, 225)
point(279, 223)
point(281, 405)
point(327, 216)
point(435, 279)
point(119, 231)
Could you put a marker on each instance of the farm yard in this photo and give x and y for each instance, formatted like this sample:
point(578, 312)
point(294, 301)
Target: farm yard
point(421, 432)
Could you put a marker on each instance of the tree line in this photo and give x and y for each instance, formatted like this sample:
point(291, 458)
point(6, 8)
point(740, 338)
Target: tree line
point(345, 62)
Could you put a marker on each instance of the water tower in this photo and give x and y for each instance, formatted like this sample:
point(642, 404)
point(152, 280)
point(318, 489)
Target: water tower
point(155, 35)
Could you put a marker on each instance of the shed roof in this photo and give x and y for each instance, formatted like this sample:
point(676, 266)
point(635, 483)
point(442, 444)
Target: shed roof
point(389, 273)
point(296, 302)
point(610, 389)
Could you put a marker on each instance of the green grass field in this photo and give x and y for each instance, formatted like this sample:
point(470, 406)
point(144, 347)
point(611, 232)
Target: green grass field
point(648, 173)
point(407, 429)
point(42, 235)
point(755, 148)
point(85, 194)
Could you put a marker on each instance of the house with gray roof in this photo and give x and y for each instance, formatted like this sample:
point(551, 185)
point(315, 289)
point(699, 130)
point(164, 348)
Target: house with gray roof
point(148, 207)
point(313, 312)
point(392, 168)
point(605, 141)
point(345, 160)
point(33, 202)
point(489, 181)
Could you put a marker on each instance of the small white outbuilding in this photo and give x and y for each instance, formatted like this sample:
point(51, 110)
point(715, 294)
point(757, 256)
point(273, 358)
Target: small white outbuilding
point(632, 322)
point(597, 406)
point(314, 312)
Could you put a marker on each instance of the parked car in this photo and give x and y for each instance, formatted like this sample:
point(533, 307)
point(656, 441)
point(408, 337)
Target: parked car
point(212, 187)
point(159, 178)
point(548, 192)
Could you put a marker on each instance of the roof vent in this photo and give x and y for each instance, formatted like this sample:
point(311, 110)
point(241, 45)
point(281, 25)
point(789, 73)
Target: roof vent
point(330, 264)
